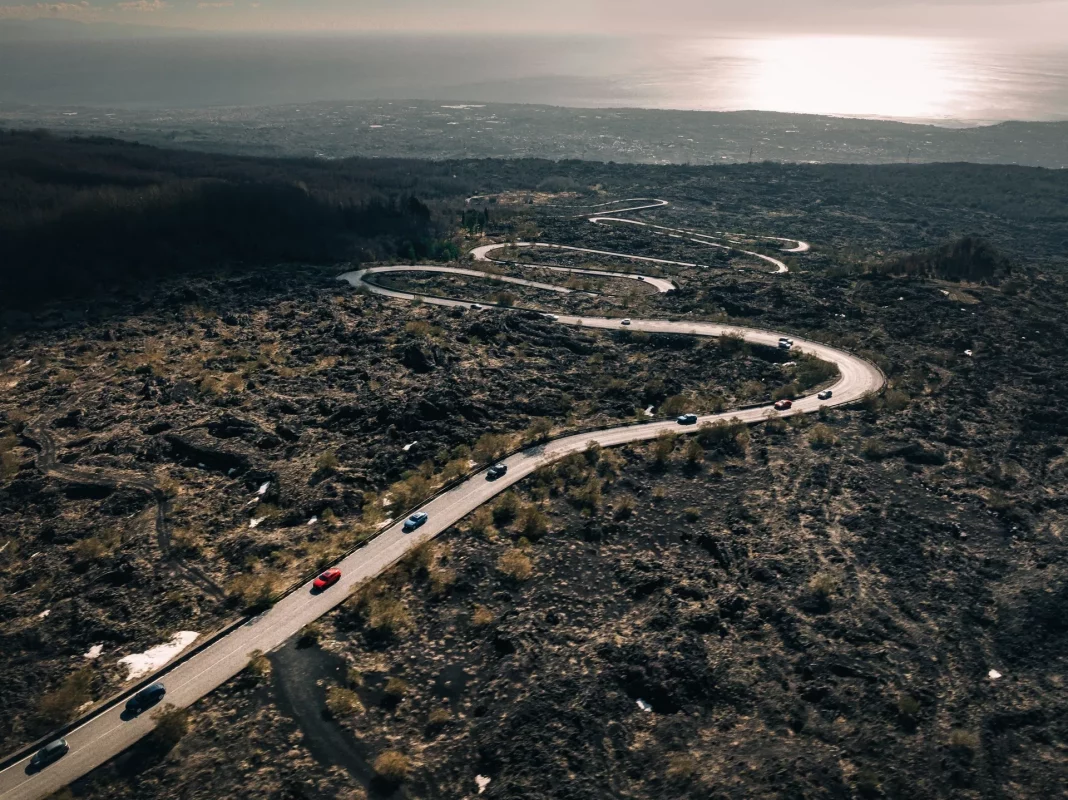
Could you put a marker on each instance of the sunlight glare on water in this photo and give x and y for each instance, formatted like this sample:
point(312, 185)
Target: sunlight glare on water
point(854, 75)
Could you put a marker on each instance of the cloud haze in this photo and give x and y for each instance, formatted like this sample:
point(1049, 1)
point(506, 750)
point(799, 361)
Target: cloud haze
point(995, 18)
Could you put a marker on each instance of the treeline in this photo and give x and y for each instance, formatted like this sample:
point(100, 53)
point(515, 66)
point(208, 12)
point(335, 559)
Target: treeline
point(81, 215)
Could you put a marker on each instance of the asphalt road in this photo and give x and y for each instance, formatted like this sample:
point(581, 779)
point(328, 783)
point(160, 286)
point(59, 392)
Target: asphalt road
point(106, 734)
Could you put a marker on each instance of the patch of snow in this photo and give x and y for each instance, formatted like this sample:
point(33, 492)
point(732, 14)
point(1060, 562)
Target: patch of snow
point(408, 447)
point(313, 520)
point(27, 362)
point(968, 353)
point(44, 613)
point(152, 659)
point(482, 782)
point(993, 674)
point(644, 706)
point(95, 651)
point(252, 523)
point(263, 489)
point(649, 411)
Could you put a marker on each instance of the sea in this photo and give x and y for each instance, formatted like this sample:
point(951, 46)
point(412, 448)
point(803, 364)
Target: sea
point(951, 82)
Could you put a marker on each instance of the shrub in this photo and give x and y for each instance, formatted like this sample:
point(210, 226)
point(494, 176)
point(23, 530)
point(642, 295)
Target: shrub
point(695, 454)
point(312, 633)
point(59, 706)
point(490, 447)
point(481, 522)
point(392, 766)
point(895, 400)
point(681, 768)
point(662, 448)
point(539, 429)
point(327, 460)
point(482, 617)
point(678, 404)
point(963, 740)
point(254, 593)
point(515, 564)
point(172, 724)
point(728, 436)
point(506, 509)
point(787, 392)
point(533, 524)
point(625, 507)
point(812, 372)
point(692, 513)
point(908, 707)
point(259, 666)
point(439, 718)
point(396, 689)
point(388, 615)
point(822, 585)
point(341, 702)
point(441, 580)
point(874, 449)
point(822, 437)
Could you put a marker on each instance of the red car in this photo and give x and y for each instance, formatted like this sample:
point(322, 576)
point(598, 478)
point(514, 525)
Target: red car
point(327, 579)
point(783, 405)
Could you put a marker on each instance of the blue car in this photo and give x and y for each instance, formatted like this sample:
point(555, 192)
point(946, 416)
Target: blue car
point(49, 754)
point(145, 699)
point(415, 521)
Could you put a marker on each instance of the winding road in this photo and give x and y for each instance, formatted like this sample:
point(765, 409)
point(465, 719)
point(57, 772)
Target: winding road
point(106, 734)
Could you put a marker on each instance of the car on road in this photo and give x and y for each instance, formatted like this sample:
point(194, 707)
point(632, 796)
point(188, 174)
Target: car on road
point(784, 405)
point(552, 317)
point(687, 419)
point(145, 699)
point(825, 394)
point(625, 321)
point(496, 471)
point(476, 306)
point(641, 277)
point(327, 579)
point(50, 753)
point(415, 520)
point(785, 344)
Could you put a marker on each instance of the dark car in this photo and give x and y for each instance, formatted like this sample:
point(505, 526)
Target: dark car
point(496, 471)
point(414, 521)
point(327, 579)
point(145, 699)
point(687, 419)
point(50, 753)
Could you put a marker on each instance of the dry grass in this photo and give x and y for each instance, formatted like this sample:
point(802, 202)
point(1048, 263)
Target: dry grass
point(341, 702)
point(482, 617)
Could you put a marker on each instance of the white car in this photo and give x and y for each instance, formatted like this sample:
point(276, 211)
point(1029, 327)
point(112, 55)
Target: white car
point(825, 394)
point(551, 317)
point(625, 321)
point(476, 306)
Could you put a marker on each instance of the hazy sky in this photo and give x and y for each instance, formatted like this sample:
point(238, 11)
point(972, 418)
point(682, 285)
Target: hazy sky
point(1018, 19)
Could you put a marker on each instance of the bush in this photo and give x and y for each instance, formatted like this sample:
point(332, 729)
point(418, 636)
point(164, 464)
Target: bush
point(506, 509)
point(823, 585)
point(822, 437)
point(874, 449)
point(259, 666)
point(812, 372)
point(59, 706)
point(515, 564)
point(396, 689)
point(388, 616)
point(480, 522)
point(482, 617)
point(490, 447)
point(695, 454)
point(895, 400)
point(439, 718)
point(254, 593)
point(787, 392)
point(533, 524)
point(327, 460)
point(392, 766)
point(681, 768)
point(539, 429)
point(678, 404)
point(172, 724)
point(908, 707)
point(963, 740)
point(692, 513)
point(342, 703)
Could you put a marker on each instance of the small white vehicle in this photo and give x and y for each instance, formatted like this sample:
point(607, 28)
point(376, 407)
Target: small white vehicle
point(625, 321)
point(551, 317)
point(476, 306)
point(785, 344)
point(825, 394)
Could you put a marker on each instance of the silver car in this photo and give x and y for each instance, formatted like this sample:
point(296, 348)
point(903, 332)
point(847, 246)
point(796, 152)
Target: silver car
point(825, 394)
